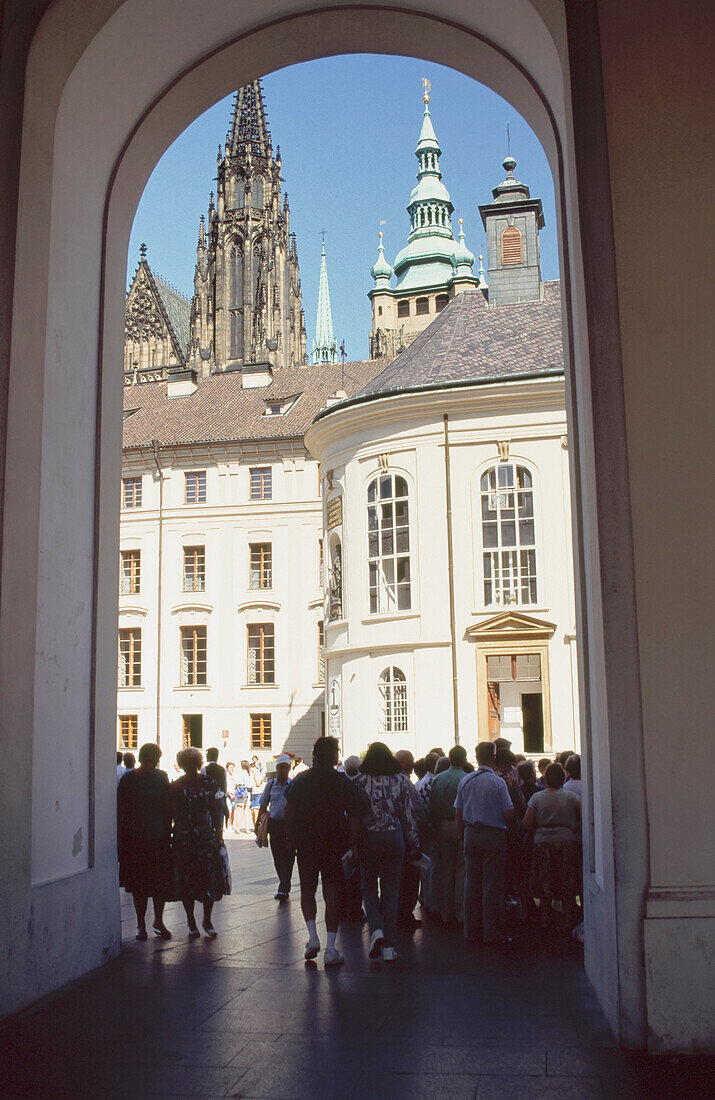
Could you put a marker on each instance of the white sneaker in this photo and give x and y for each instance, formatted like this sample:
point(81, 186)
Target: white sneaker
point(377, 939)
point(332, 957)
point(312, 947)
point(389, 955)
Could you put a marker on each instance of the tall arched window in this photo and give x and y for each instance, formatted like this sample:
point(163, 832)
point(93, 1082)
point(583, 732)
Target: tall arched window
point(388, 526)
point(235, 303)
point(508, 535)
point(512, 251)
point(393, 700)
point(257, 193)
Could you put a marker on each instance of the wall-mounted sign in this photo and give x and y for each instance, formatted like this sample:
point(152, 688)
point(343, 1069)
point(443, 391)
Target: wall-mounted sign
point(335, 512)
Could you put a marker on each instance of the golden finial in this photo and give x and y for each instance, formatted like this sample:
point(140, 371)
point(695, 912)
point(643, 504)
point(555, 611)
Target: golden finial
point(426, 84)
point(461, 222)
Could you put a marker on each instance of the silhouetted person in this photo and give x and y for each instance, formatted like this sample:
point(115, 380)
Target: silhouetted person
point(555, 816)
point(213, 769)
point(410, 881)
point(143, 839)
point(322, 822)
point(129, 760)
point(450, 854)
point(197, 810)
point(390, 833)
point(527, 778)
point(273, 803)
point(484, 810)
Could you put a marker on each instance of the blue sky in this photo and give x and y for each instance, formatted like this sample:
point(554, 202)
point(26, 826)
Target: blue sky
point(347, 129)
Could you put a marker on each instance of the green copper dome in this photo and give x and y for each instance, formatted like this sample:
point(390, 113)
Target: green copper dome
point(381, 270)
point(427, 258)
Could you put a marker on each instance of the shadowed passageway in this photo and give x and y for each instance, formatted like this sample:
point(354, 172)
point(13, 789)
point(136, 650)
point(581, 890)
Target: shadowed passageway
point(245, 1016)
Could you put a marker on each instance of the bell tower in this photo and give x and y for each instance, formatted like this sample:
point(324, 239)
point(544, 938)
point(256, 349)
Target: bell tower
point(512, 222)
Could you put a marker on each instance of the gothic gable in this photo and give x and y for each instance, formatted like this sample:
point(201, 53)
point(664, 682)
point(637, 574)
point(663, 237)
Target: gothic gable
point(151, 340)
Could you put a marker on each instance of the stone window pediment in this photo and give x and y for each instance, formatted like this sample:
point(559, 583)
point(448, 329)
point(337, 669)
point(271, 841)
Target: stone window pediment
point(510, 624)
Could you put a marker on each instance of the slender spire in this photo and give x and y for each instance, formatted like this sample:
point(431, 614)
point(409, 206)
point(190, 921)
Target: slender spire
point(430, 205)
point(325, 348)
point(249, 130)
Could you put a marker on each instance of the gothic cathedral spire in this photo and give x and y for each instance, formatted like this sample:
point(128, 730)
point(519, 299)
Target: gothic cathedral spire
point(325, 348)
point(247, 305)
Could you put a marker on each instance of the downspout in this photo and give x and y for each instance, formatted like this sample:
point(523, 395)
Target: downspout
point(450, 571)
point(160, 571)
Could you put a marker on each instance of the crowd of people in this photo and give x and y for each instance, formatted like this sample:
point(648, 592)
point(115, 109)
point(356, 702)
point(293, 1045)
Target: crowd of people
point(480, 848)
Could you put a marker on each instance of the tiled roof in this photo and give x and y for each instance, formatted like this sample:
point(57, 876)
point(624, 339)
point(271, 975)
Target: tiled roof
point(221, 410)
point(178, 310)
point(469, 340)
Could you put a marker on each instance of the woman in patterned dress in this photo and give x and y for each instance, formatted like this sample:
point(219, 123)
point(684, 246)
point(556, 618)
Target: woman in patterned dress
point(197, 805)
point(389, 836)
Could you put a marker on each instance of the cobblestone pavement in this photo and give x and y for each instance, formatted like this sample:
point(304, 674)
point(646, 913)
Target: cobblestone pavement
point(244, 1016)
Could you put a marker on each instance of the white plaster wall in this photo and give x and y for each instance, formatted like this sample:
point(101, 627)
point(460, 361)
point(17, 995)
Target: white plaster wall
point(409, 430)
point(225, 525)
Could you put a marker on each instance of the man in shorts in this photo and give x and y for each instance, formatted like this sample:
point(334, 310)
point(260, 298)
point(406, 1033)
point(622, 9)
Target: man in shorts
point(322, 819)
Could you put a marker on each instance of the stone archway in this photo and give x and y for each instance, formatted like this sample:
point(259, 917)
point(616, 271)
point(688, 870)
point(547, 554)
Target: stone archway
point(101, 106)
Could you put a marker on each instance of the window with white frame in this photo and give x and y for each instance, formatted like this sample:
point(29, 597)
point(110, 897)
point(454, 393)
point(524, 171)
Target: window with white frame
point(508, 535)
point(393, 700)
point(388, 537)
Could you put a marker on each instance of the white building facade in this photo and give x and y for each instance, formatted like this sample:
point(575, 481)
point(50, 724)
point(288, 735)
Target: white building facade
point(221, 598)
point(403, 652)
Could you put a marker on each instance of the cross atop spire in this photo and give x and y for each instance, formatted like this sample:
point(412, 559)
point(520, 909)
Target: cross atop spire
point(325, 348)
point(249, 131)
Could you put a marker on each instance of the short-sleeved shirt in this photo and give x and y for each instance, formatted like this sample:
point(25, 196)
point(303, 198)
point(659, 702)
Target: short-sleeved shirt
point(483, 798)
point(321, 800)
point(273, 799)
point(556, 814)
point(575, 786)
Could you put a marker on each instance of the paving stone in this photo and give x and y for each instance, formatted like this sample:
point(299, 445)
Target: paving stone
point(540, 1088)
point(244, 1016)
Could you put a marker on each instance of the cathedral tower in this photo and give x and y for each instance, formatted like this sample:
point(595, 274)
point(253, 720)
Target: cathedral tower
point(431, 268)
point(247, 305)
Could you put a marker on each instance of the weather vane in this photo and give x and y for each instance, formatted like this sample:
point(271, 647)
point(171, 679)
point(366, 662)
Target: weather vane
point(508, 141)
point(427, 85)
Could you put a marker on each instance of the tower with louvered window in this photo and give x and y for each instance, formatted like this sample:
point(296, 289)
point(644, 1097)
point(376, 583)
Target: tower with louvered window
point(512, 222)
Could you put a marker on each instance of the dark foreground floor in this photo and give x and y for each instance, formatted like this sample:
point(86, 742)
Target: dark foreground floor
point(244, 1016)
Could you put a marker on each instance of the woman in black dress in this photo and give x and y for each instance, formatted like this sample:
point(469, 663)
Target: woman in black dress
point(143, 839)
point(197, 805)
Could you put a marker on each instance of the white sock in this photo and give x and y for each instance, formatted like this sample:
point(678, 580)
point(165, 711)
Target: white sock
point(331, 940)
point(310, 925)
